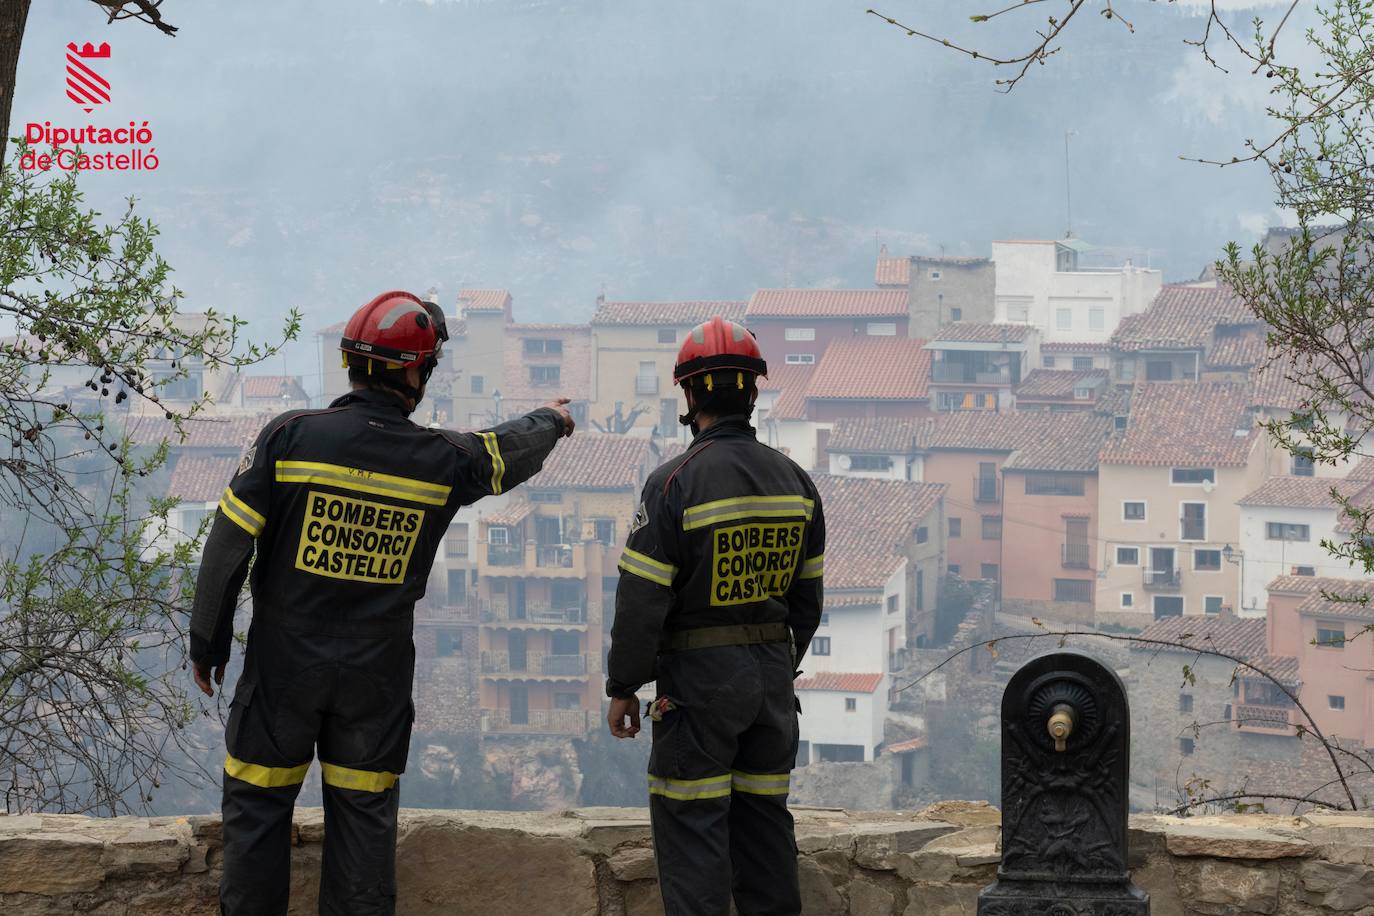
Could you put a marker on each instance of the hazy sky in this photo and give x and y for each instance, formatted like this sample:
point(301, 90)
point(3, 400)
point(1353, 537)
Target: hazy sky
point(314, 152)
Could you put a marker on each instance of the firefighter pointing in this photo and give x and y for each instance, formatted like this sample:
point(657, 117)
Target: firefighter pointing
point(719, 596)
point(345, 507)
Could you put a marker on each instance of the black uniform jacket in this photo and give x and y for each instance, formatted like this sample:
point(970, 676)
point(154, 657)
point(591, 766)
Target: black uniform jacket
point(348, 505)
point(729, 532)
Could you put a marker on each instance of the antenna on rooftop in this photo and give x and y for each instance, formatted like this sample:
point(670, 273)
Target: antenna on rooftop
point(1068, 195)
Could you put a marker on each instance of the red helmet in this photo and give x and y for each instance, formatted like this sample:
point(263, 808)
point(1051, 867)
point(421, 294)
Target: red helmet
point(396, 328)
point(718, 344)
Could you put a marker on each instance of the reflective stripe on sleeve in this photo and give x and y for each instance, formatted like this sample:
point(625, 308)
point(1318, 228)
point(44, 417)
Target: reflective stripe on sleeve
point(265, 777)
point(361, 780)
point(241, 514)
point(646, 567)
point(362, 481)
point(498, 464)
point(690, 789)
point(813, 568)
point(737, 507)
point(761, 783)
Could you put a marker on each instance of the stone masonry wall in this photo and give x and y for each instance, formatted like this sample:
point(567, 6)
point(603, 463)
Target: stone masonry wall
point(599, 862)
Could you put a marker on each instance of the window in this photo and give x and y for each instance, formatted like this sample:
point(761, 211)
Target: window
point(956, 314)
point(1192, 522)
point(1303, 465)
point(1126, 370)
point(448, 642)
point(477, 383)
point(1128, 556)
point(1168, 606)
point(920, 593)
point(1185, 702)
point(1019, 314)
point(992, 528)
point(870, 462)
point(543, 345)
point(1192, 476)
point(1185, 746)
point(800, 359)
point(1047, 362)
point(820, 645)
point(457, 587)
point(989, 571)
point(825, 618)
point(953, 569)
point(545, 496)
point(882, 329)
point(1281, 531)
point(1304, 570)
point(956, 527)
point(1119, 423)
point(1336, 703)
point(1063, 319)
point(935, 274)
point(1207, 560)
point(1159, 370)
point(667, 335)
point(1073, 590)
point(1133, 511)
point(498, 534)
point(1212, 604)
point(605, 530)
point(567, 701)
point(1042, 484)
point(922, 534)
point(544, 375)
point(851, 704)
point(1330, 637)
point(799, 334)
point(892, 599)
point(1082, 363)
point(1097, 319)
point(1127, 600)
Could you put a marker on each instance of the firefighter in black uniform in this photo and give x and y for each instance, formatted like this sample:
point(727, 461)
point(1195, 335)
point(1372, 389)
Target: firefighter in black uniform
point(719, 596)
point(346, 507)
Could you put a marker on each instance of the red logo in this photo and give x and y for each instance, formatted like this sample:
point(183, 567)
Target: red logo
point(85, 87)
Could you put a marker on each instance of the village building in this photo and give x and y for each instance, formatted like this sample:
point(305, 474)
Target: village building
point(1079, 356)
point(1062, 389)
point(1172, 339)
point(794, 326)
point(542, 362)
point(889, 448)
point(976, 366)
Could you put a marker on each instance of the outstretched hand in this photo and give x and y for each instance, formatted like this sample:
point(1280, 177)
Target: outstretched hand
point(201, 672)
point(559, 406)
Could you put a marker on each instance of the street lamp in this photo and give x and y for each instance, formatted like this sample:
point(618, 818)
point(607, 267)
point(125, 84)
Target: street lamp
point(496, 398)
point(1236, 557)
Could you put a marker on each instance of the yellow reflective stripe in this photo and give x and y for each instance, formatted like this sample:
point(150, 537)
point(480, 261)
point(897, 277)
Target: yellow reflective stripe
point(737, 507)
point(498, 464)
point(337, 475)
point(646, 567)
point(761, 783)
point(241, 514)
point(266, 777)
point(361, 780)
point(813, 568)
point(690, 789)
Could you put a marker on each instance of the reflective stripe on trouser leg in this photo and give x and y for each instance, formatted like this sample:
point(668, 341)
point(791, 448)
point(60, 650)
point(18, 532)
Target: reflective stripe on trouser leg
point(256, 814)
point(358, 872)
point(761, 783)
point(692, 849)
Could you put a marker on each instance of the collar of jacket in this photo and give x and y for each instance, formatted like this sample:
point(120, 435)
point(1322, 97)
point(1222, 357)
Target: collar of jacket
point(375, 398)
point(734, 426)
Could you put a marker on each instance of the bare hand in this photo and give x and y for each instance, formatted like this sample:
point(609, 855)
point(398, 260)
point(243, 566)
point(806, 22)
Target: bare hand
point(622, 708)
point(559, 405)
point(201, 671)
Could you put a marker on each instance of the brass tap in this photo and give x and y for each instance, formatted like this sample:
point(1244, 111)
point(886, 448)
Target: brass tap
point(1061, 726)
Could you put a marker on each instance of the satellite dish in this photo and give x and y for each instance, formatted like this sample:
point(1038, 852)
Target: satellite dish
point(1208, 486)
point(845, 462)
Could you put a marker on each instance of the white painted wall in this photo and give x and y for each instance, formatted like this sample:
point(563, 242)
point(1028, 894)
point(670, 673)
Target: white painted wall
point(904, 467)
point(1265, 559)
point(825, 721)
point(795, 438)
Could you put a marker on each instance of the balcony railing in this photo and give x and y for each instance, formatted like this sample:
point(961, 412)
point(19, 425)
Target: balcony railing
point(986, 489)
point(960, 374)
point(1075, 556)
point(1160, 578)
point(558, 555)
point(1192, 530)
point(536, 615)
point(542, 721)
point(536, 664)
point(646, 384)
point(1267, 719)
point(505, 554)
point(455, 548)
point(465, 614)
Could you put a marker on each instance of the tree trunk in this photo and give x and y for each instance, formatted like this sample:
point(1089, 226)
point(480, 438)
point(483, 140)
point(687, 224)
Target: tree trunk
point(13, 15)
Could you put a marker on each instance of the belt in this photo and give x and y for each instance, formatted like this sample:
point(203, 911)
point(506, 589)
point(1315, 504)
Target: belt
point(739, 634)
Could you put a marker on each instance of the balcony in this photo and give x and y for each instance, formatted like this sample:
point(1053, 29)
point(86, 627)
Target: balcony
point(646, 385)
point(537, 616)
point(1075, 556)
point(455, 548)
point(505, 555)
point(542, 721)
point(987, 489)
point(450, 614)
point(1160, 578)
point(554, 555)
point(1263, 720)
point(536, 664)
point(960, 374)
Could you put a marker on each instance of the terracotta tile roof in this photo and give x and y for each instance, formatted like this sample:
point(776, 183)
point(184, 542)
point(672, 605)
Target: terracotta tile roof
point(872, 368)
point(1188, 424)
point(892, 271)
point(201, 478)
point(1362, 471)
point(236, 431)
point(1306, 585)
point(869, 524)
point(869, 597)
point(1066, 346)
point(1278, 383)
point(273, 387)
point(1067, 442)
point(981, 332)
point(1114, 401)
point(666, 314)
point(483, 300)
point(1236, 351)
point(791, 381)
point(1180, 318)
point(512, 514)
point(1360, 493)
point(842, 682)
point(827, 303)
point(1282, 667)
point(1060, 384)
point(902, 747)
point(1301, 492)
point(574, 364)
point(1242, 637)
point(879, 435)
point(1359, 603)
point(596, 461)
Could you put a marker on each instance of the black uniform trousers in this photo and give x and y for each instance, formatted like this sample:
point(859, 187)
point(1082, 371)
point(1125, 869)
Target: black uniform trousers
point(719, 773)
point(350, 697)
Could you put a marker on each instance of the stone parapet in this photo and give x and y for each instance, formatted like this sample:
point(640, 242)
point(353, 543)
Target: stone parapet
point(599, 862)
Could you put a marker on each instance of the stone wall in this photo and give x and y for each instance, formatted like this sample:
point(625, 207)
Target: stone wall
point(598, 862)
